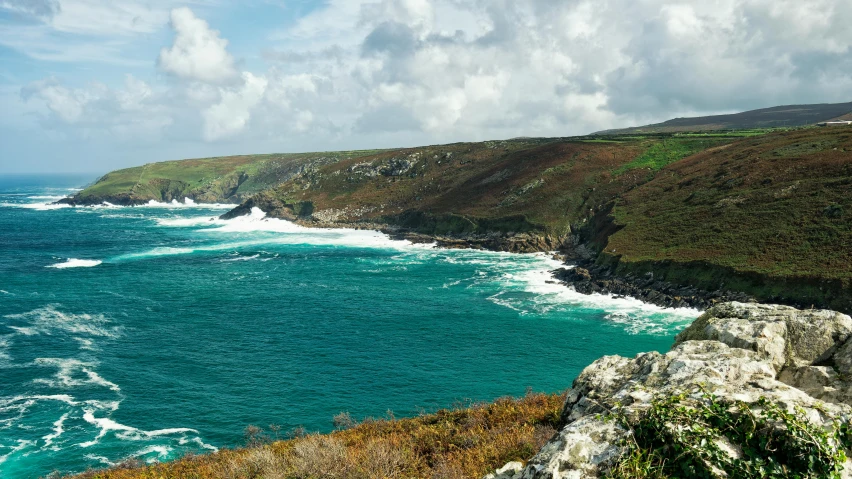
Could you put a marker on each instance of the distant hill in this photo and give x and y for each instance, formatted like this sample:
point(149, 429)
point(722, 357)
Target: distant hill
point(227, 179)
point(775, 117)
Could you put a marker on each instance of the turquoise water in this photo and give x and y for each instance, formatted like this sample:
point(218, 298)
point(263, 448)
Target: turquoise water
point(151, 332)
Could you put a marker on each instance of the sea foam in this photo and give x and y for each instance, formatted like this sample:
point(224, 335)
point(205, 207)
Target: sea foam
point(36, 206)
point(187, 203)
point(49, 320)
point(76, 263)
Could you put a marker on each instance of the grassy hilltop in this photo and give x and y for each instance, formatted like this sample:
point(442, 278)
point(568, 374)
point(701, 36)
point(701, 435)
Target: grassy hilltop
point(775, 117)
point(763, 212)
point(229, 179)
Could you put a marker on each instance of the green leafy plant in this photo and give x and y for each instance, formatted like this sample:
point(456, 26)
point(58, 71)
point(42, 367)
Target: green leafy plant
point(708, 437)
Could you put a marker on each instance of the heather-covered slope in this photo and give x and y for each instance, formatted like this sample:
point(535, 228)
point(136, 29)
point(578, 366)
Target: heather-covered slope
point(534, 186)
point(228, 179)
point(771, 216)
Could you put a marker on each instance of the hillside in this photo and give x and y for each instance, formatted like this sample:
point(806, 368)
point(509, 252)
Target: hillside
point(211, 180)
point(771, 216)
point(540, 187)
point(775, 117)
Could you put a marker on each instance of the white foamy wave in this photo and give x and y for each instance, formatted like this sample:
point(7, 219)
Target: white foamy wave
point(104, 424)
point(73, 373)
point(76, 263)
point(58, 429)
point(162, 452)
point(202, 444)
point(22, 444)
point(49, 320)
point(101, 459)
point(289, 233)
point(3, 291)
point(86, 344)
point(4, 347)
point(187, 222)
point(241, 258)
point(19, 402)
point(124, 432)
point(632, 314)
point(36, 206)
point(45, 197)
point(188, 203)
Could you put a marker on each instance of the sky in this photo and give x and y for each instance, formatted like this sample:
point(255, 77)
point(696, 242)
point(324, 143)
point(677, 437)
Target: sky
point(95, 85)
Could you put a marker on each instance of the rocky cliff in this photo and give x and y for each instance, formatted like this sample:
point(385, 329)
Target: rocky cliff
point(760, 390)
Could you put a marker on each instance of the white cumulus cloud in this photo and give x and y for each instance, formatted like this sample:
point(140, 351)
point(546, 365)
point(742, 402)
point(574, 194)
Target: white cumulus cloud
point(232, 113)
point(383, 73)
point(198, 53)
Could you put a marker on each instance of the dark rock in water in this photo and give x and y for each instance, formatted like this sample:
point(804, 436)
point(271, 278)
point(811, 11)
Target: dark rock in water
point(592, 278)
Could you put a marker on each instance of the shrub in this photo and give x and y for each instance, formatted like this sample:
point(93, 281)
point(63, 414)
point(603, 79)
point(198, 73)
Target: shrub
point(710, 437)
point(463, 442)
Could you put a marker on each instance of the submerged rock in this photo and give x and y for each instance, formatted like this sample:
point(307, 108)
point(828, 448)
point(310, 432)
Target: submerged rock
point(798, 359)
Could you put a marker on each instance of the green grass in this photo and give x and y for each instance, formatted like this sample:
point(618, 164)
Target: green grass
point(664, 152)
point(217, 179)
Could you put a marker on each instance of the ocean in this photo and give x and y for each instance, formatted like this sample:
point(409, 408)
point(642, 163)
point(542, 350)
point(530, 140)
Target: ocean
point(156, 331)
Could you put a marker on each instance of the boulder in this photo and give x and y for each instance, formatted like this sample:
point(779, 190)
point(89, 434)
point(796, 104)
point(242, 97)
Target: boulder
point(786, 336)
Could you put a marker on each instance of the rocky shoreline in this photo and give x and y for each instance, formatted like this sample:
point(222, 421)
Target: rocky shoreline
point(581, 271)
point(741, 354)
point(588, 278)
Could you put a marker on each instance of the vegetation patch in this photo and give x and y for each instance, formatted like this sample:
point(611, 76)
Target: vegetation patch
point(662, 153)
point(709, 437)
point(464, 442)
point(785, 221)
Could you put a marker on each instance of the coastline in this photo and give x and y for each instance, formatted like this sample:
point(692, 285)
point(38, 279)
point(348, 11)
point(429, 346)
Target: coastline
point(579, 270)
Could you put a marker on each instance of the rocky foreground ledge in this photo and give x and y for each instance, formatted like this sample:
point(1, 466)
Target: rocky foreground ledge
point(745, 357)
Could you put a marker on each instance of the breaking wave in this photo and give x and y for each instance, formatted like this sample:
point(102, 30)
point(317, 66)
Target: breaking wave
point(72, 406)
point(76, 263)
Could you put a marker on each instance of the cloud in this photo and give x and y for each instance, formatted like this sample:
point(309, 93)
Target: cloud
point(198, 53)
point(232, 113)
point(91, 31)
point(373, 73)
point(36, 8)
point(132, 112)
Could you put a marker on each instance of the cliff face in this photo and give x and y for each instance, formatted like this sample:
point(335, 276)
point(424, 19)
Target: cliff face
point(749, 358)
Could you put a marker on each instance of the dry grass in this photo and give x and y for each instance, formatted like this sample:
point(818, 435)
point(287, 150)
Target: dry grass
point(449, 444)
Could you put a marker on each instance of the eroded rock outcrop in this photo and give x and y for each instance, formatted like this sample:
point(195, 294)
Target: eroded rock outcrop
point(737, 352)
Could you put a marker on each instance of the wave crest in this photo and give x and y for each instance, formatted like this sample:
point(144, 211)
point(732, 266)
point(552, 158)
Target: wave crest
point(76, 263)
